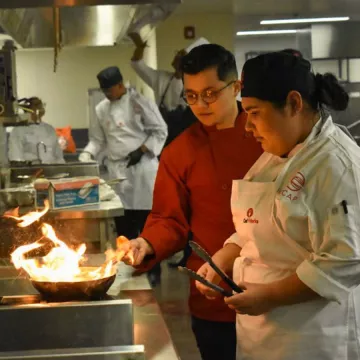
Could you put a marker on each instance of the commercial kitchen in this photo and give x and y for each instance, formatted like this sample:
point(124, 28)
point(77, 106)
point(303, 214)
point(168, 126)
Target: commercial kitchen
point(53, 49)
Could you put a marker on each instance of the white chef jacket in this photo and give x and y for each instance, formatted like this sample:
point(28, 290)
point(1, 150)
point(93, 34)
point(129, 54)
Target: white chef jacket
point(121, 127)
point(289, 219)
point(24, 140)
point(159, 80)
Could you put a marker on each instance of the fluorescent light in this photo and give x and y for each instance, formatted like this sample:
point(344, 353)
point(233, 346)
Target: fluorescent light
point(265, 32)
point(299, 21)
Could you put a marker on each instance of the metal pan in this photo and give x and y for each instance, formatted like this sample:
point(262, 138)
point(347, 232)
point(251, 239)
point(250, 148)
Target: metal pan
point(78, 290)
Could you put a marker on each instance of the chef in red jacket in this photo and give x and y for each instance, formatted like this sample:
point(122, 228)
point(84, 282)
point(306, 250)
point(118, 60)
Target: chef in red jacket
point(193, 187)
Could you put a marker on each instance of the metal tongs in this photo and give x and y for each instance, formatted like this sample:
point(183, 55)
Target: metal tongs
point(209, 284)
point(207, 258)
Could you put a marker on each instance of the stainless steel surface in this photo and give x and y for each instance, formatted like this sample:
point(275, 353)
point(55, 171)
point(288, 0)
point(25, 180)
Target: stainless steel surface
point(105, 23)
point(93, 225)
point(84, 324)
point(41, 143)
point(146, 311)
point(106, 209)
point(134, 352)
point(45, 3)
point(50, 170)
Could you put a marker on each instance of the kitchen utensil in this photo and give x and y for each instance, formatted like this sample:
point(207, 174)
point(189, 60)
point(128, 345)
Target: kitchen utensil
point(199, 278)
point(207, 258)
point(77, 290)
point(114, 181)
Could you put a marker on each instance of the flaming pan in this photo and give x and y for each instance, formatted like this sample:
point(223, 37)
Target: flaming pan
point(77, 290)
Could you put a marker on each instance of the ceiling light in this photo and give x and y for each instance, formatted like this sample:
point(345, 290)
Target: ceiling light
point(299, 21)
point(265, 32)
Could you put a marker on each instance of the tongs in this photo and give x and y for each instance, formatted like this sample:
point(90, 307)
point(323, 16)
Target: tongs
point(205, 282)
point(207, 258)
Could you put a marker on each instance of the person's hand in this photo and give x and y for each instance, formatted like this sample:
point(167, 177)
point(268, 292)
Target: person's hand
point(136, 250)
point(134, 157)
point(207, 272)
point(85, 157)
point(255, 300)
point(137, 40)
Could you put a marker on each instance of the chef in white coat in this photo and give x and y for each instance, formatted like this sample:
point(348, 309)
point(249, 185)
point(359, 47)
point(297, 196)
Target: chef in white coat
point(131, 129)
point(35, 143)
point(296, 251)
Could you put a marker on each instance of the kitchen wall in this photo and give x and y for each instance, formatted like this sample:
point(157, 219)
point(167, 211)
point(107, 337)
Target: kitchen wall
point(65, 92)
point(217, 28)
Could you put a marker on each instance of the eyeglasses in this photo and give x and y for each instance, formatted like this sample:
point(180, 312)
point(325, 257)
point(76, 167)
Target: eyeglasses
point(208, 96)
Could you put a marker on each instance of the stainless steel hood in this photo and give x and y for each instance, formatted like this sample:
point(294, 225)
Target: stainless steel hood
point(58, 23)
point(335, 40)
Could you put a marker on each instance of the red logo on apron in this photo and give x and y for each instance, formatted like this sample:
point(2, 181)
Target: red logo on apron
point(297, 182)
point(249, 219)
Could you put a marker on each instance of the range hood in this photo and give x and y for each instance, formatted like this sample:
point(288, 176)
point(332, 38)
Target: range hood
point(59, 23)
point(330, 41)
point(335, 40)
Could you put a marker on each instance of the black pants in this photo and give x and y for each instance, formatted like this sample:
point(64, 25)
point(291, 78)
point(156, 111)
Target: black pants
point(131, 225)
point(215, 340)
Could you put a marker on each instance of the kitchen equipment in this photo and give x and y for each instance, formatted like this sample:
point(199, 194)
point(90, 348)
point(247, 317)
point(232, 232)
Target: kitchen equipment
point(207, 258)
point(32, 323)
point(199, 278)
point(77, 290)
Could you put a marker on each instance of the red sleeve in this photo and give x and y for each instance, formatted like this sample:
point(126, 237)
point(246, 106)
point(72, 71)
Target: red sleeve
point(167, 226)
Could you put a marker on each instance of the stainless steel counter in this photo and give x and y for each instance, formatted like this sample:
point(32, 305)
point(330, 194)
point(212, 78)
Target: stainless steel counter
point(105, 209)
point(150, 329)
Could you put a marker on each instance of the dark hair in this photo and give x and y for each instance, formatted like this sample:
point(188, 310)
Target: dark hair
point(28, 103)
point(272, 76)
point(293, 52)
point(210, 56)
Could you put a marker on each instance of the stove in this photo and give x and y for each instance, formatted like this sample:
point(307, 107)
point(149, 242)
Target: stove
point(29, 323)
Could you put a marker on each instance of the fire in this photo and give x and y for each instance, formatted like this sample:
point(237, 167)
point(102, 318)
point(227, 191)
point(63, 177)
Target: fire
point(63, 264)
point(28, 218)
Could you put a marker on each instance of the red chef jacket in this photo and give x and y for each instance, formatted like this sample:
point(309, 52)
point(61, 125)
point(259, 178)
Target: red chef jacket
point(192, 193)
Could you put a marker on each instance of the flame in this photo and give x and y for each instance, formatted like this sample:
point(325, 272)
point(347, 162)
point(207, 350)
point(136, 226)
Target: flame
point(30, 217)
point(13, 213)
point(63, 264)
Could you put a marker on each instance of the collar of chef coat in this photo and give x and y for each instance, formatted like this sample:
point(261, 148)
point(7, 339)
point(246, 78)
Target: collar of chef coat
point(316, 131)
point(238, 122)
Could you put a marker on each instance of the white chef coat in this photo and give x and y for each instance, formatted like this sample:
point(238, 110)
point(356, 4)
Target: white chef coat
point(289, 219)
point(121, 127)
point(159, 80)
point(24, 140)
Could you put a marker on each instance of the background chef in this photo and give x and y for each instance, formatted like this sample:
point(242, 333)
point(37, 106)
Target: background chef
point(131, 129)
point(38, 142)
point(299, 255)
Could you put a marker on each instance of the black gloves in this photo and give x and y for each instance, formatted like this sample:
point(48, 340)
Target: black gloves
point(134, 157)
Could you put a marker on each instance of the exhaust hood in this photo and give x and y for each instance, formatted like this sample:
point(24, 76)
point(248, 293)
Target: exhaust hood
point(59, 23)
point(338, 40)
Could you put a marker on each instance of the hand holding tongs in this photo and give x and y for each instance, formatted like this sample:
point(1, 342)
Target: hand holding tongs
point(209, 284)
point(207, 258)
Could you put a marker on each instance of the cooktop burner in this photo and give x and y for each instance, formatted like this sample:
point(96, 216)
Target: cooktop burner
point(37, 299)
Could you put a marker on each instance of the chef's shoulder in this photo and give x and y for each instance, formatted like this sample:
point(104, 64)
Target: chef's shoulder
point(139, 101)
point(184, 148)
point(333, 174)
point(48, 127)
point(102, 107)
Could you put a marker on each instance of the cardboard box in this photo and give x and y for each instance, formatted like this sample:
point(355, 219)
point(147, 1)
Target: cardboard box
point(68, 192)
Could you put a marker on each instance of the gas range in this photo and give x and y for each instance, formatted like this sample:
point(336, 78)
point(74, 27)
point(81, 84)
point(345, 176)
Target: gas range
point(29, 323)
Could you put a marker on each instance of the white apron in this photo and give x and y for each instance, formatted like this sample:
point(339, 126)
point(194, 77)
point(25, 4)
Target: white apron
point(316, 330)
point(136, 191)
